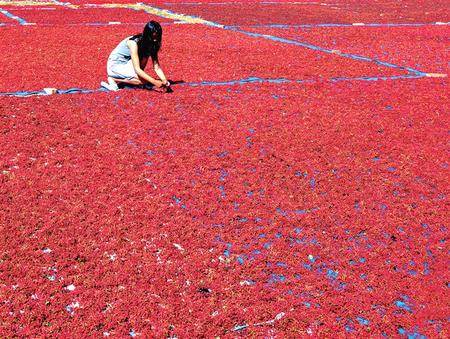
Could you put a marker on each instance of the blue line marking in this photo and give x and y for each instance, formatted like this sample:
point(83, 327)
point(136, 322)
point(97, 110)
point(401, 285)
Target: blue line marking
point(284, 26)
point(249, 80)
point(396, 77)
point(194, 19)
point(325, 50)
point(45, 24)
point(59, 91)
point(244, 81)
point(281, 26)
point(12, 16)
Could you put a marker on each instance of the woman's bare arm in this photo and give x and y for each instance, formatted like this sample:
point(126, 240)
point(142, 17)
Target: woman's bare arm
point(159, 71)
point(137, 65)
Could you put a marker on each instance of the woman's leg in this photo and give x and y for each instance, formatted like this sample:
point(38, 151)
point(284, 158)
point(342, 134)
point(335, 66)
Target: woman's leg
point(133, 81)
point(112, 81)
point(123, 73)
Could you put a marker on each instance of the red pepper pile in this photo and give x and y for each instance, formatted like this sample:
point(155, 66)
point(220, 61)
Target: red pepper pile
point(260, 209)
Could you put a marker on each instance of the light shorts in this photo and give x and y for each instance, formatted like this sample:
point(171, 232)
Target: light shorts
point(121, 71)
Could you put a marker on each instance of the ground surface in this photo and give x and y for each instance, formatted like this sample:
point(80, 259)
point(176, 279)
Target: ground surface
point(294, 184)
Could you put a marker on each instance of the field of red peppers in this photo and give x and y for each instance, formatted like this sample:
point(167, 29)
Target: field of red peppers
point(294, 184)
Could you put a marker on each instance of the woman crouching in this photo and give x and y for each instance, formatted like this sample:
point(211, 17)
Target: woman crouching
point(127, 61)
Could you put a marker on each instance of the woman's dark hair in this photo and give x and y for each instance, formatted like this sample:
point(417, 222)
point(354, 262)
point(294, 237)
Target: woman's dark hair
point(149, 41)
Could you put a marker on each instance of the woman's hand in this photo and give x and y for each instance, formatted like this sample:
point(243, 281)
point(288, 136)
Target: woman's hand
point(167, 87)
point(163, 86)
point(157, 83)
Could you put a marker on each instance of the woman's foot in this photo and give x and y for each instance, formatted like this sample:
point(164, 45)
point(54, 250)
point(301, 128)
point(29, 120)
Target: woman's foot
point(109, 86)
